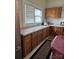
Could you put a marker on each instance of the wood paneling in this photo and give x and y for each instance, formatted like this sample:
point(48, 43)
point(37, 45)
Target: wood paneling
point(17, 25)
point(18, 51)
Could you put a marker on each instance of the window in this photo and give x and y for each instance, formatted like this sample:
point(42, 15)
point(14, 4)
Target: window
point(38, 16)
point(32, 15)
point(29, 14)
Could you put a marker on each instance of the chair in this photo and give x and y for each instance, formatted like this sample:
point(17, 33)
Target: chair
point(57, 47)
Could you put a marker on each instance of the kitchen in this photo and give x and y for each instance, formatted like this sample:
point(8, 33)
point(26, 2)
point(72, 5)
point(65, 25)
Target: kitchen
point(37, 23)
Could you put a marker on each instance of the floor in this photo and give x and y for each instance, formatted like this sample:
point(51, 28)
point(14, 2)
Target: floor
point(43, 51)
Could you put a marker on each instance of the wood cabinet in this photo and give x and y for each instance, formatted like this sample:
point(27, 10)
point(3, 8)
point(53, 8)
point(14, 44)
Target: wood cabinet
point(57, 31)
point(30, 41)
point(53, 12)
point(26, 45)
point(34, 39)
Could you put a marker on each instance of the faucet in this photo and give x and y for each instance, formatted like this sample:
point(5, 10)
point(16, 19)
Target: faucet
point(61, 23)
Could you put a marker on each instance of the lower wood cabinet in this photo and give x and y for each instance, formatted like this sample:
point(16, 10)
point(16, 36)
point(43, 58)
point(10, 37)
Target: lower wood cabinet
point(29, 42)
point(34, 39)
point(57, 31)
point(26, 45)
point(62, 30)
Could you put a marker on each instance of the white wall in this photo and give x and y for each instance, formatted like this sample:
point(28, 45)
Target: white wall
point(55, 3)
point(40, 3)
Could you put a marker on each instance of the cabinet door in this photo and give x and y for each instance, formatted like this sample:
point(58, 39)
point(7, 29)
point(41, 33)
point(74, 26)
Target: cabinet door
point(44, 33)
point(59, 30)
point(26, 45)
point(59, 11)
point(53, 12)
point(48, 12)
point(39, 36)
point(62, 30)
point(34, 39)
point(48, 31)
point(54, 31)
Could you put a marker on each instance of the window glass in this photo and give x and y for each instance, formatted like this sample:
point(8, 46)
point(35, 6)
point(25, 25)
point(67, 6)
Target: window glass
point(32, 15)
point(38, 16)
point(29, 14)
point(38, 12)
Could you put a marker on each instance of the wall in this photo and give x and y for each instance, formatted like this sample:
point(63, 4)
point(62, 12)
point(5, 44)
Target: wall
point(55, 21)
point(41, 4)
point(56, 3)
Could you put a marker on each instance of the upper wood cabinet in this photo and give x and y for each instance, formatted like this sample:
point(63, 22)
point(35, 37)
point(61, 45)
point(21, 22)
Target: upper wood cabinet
point(53, 12)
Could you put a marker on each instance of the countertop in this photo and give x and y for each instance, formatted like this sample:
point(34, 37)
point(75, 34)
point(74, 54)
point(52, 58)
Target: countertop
point(31, 30)
point(56, 25)
point(34, 29)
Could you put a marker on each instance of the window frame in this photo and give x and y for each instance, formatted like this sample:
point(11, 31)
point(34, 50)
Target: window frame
point(29, 24)
point(24, 15)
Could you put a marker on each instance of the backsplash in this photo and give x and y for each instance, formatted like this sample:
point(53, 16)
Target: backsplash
point(52, 21)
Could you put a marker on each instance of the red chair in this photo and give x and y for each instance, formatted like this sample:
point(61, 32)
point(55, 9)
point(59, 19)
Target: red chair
point(57, 47)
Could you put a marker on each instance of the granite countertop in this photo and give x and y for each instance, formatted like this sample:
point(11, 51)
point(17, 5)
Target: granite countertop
point(34, 29)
